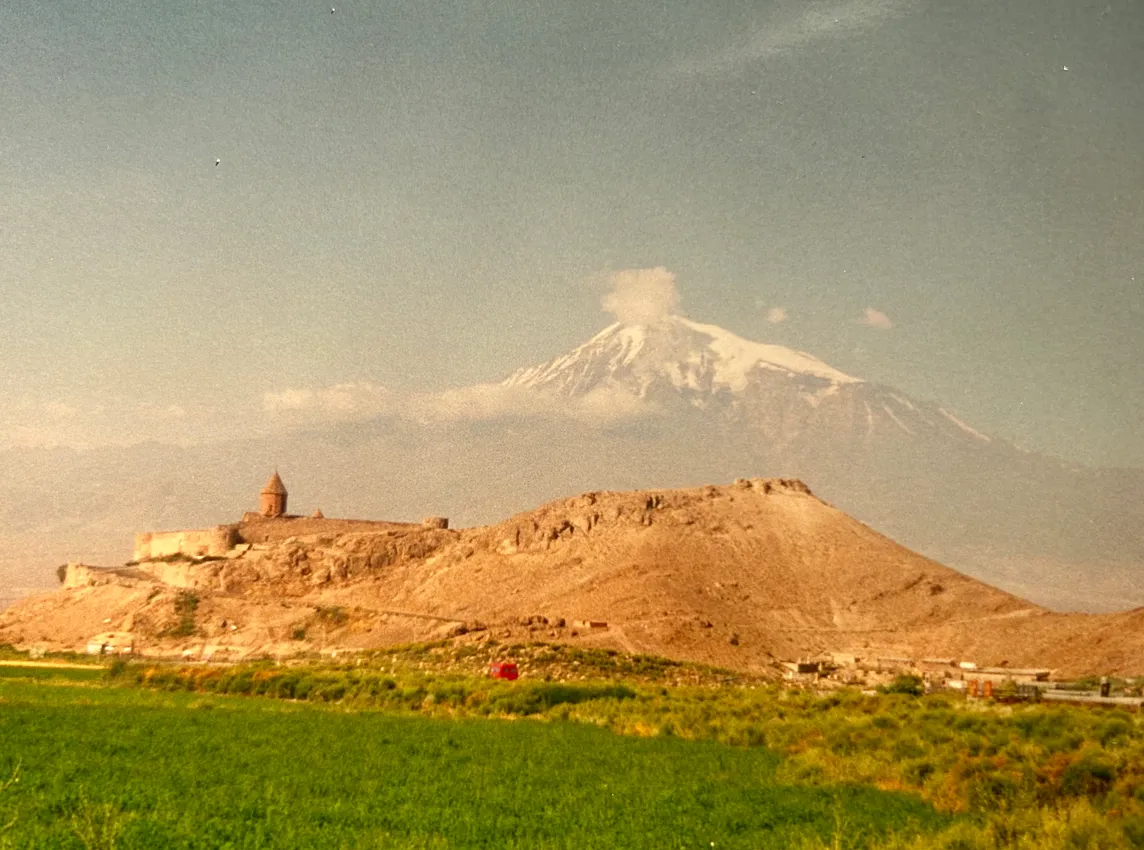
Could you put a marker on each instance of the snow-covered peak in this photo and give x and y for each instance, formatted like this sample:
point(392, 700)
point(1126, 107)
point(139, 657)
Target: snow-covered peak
point(738, 356)
point(685, 354)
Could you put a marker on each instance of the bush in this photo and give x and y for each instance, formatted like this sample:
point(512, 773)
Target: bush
point(333, 615)
point(537, 697)
point(1090, 774)
point(243, 683)
point(906, 683)
point(186, 603)
point(329, 692)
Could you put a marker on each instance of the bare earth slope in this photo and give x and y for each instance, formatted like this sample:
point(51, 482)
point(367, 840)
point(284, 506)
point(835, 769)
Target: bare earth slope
point(736, 576)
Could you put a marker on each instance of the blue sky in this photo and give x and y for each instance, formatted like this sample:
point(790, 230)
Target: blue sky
point(945, 197)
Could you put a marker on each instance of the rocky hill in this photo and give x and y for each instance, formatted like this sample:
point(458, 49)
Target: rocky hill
point(738, 576)
point(674, 403)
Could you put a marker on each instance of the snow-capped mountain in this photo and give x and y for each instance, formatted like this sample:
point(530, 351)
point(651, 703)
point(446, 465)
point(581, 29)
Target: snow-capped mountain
point(677, 353)
point(911, 468)
point(777, 391)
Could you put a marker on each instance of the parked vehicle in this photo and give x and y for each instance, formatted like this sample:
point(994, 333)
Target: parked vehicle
point(503, 670)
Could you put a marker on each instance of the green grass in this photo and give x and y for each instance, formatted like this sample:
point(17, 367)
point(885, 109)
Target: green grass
point(70, 674)
point(10, 653)
point(580, 752)
point(1027, 776)
point(131, 769)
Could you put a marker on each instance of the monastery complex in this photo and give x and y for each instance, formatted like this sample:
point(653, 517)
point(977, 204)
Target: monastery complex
point(270, 522)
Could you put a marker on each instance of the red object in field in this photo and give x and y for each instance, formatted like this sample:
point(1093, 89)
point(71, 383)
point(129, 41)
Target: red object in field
point(503, 670)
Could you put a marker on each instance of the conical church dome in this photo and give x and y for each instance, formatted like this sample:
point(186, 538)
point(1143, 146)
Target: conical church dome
point(275, 486)
point(272, 499)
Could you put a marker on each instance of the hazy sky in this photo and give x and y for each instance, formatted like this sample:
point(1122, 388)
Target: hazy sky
point(942, 195)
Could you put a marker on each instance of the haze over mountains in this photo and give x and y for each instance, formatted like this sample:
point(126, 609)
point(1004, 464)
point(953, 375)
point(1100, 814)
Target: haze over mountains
point(655, 401)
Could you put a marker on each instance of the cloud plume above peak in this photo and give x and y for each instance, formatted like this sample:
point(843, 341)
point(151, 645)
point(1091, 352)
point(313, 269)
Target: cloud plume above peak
point(875, 319)
point(642, 296)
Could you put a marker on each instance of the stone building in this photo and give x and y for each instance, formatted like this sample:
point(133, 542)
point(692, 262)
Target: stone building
point(195, 543)
point(268, 524)
point(272, 499)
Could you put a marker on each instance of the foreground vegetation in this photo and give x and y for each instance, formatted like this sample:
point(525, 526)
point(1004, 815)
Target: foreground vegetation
point(104, 767)
point(394, 751)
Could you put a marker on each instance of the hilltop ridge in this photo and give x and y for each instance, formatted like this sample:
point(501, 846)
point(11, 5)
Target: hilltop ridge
point(737, 575)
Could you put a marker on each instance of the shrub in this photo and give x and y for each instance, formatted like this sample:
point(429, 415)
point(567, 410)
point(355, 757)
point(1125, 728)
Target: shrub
point(1134, 831)
point(97, 825)
point(243, 683)
point(303, 688)
point(905, 683)
point(333, 615)
point(329, 692)
point(1114, 730)
point(537, 697)
point(1090, 774)
point(186, 603)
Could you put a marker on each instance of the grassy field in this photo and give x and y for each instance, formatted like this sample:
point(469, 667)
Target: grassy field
point(395, 750)
point(104, 767)
point(48, 672)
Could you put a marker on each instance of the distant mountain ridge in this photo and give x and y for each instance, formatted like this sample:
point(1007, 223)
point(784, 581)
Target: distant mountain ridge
point(693, 404)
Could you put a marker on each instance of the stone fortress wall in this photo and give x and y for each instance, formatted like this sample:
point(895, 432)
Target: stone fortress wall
point(199, 542)
point(259, 529)
point(269, 524)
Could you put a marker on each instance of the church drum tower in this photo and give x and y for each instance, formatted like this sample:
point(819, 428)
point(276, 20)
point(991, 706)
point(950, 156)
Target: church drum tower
point(272, 499)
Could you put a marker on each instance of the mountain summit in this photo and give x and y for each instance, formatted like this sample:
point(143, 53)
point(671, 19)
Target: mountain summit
point(780, 394)
point(680, 354)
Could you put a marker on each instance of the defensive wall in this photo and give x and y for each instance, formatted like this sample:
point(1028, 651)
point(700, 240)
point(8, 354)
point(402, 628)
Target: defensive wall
point(216, 542)
point(259, 529)
point(198, 542)
point(270, 524)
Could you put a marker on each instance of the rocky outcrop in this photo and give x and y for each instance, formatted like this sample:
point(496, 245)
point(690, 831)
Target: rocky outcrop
point(297, 565)
point(596, 511)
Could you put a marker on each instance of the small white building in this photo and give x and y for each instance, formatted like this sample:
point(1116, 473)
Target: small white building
point(111, 643)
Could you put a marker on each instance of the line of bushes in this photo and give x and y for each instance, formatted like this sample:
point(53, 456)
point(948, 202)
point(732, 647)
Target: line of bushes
point(364, 688)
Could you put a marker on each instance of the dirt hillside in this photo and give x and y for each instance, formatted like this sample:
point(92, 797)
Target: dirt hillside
point(738, 576)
